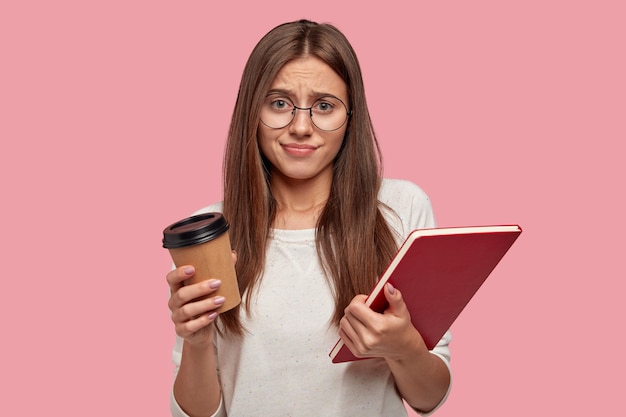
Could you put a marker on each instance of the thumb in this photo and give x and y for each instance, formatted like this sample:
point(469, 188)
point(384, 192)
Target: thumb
point(394, 297)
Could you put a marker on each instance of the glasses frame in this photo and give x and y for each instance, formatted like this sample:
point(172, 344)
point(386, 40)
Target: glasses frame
point(310, 110)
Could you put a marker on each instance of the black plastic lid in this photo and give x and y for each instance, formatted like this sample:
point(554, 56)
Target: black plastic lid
point(194, 230)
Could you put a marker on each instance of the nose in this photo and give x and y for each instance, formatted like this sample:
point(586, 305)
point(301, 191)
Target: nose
point(301, 125)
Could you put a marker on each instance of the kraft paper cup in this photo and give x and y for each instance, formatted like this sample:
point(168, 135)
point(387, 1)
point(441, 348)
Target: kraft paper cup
point(202, 241)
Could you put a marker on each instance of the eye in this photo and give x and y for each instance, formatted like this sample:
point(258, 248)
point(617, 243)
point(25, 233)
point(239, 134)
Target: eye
point(325, 105)
point(279, 104)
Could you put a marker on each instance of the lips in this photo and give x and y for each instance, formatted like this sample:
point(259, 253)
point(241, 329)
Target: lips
point(299, 149)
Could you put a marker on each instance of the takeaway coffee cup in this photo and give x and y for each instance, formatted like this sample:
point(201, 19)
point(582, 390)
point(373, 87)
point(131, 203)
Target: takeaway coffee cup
point(202, 241)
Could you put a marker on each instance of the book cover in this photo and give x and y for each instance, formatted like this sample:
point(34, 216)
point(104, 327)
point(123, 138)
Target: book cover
point(438, 271)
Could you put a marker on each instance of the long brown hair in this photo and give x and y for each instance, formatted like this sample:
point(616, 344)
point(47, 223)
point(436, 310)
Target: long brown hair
point(354, 242)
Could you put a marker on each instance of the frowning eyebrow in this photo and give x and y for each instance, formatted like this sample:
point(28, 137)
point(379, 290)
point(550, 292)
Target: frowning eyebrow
point(291, 93)
point(309, 101)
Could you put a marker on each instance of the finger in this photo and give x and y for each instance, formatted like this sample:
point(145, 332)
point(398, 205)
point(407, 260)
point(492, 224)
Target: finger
point(358, 310)
point(347, 333)
point(357, 322)
point(176, 276)
point(191, 292)
point(351, 338)
point(192, 310)
point(397, 307)
point(366, 327)
point(190, 327)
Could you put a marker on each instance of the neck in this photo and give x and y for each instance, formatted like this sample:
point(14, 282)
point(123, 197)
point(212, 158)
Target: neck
point(299, 202)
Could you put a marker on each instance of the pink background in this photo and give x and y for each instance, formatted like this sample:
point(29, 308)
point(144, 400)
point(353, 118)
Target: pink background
point(113, 117)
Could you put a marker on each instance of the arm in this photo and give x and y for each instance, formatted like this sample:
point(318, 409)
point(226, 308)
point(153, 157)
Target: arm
point(196, 390)
point(196, 387)
point(422, 381)
point(421, 377)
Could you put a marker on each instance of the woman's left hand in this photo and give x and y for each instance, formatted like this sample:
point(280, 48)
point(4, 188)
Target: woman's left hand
point(390, 335)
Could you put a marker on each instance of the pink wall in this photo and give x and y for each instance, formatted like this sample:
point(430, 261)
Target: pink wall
point(113, 118)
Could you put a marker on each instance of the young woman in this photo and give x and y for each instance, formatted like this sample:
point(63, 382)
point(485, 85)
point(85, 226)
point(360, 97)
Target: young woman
point(313, 225)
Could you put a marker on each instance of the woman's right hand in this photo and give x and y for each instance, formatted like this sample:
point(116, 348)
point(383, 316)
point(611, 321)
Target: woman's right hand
point(193, 319)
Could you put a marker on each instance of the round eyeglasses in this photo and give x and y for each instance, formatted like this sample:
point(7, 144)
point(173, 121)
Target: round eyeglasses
point(327, 113)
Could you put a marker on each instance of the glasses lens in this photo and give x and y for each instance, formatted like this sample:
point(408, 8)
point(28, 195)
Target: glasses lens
point(277, 111)
point(327, 113)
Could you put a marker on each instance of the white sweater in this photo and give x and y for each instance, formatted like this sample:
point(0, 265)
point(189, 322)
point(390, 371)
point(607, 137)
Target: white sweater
point(281, 367)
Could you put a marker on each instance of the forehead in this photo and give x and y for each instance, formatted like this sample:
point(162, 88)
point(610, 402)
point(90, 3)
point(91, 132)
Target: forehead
point(309, 76)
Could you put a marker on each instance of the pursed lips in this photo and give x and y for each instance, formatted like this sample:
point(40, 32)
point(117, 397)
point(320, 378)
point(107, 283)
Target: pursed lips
point(298, 148)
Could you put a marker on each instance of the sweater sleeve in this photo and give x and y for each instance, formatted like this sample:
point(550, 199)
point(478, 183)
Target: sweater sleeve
point(406, 207)
point(411, 209)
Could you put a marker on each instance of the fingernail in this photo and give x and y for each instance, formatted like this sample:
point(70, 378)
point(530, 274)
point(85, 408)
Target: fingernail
point(188, 270)
point(391, 289)
point(215, 284)
point(219, 300)
point(212, 315)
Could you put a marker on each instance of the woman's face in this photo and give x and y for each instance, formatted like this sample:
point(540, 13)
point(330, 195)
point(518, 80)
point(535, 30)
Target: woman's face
point(300, 150)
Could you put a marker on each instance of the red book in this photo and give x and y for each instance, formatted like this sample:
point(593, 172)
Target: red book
point(438, 271)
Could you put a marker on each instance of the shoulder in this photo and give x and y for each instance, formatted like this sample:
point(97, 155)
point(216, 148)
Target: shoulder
point(403, 196)
point(215, 207)
point(406, 205)
point(394, 190)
